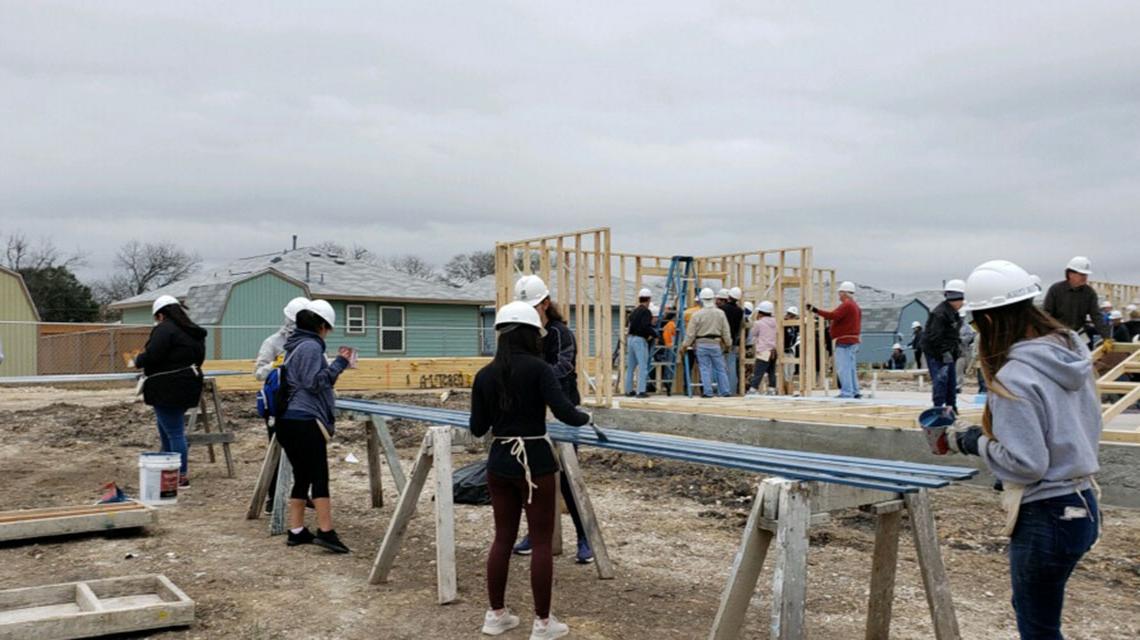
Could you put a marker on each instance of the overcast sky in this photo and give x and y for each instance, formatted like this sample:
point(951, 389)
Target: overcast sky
point(905, 142)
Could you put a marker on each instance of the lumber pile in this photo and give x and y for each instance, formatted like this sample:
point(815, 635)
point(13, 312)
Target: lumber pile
point(58, 521)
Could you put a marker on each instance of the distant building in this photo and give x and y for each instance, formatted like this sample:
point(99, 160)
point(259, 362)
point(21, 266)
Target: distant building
point(380, 311)
point(18, 331)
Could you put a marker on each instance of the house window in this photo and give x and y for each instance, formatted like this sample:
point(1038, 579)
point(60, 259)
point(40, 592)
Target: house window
point(391, 329)
point(354, 325)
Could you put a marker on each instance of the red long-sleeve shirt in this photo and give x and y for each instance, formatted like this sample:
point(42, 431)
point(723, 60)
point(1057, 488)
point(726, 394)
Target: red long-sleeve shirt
point(846, 322)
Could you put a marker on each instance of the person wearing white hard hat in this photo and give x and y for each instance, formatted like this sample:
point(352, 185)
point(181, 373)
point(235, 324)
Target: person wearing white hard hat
point(509, 399)
point(1074, 302)
point(942, 345)
point(763, 335)
point(273, 346)
point(309, 422)
point(1133, 322)
point(916, 343)
point(846, 328)
point(709, 334)
point(749, 322)
point(1116, 324)
point(897, 359)
point(560, 351)
point(735, 315)
point(171, 363)
point(1040, 435)
point(639, 331)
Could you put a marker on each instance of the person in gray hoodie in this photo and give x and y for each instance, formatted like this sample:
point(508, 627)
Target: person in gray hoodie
point(309, 421)
point(1039, 435)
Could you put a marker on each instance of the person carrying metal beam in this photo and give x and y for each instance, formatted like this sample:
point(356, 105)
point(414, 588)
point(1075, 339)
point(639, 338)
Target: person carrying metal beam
point(710, 335)
point(942, 345)
point(639, 331)
point(846, 327)
point(1040, 435)
point(509, 399)
point(560, 351)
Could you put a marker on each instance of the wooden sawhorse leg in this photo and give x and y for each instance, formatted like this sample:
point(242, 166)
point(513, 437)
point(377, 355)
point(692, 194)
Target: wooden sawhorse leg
point(573, 472)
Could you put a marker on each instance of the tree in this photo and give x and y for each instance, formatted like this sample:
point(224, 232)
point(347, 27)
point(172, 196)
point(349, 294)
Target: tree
point(59, 296)
point(142, 267)
point(469, 267)
point(413, 266)
point(20, 253)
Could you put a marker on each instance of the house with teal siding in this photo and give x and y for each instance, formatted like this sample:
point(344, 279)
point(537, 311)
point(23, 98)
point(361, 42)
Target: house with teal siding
point(380, 311)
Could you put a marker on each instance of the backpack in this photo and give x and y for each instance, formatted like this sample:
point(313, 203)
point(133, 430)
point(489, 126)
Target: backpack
point(273, 398)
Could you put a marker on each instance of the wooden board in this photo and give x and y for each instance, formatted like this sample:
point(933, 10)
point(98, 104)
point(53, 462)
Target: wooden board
point(94, 608)
point(373, 374)
point(59, 521)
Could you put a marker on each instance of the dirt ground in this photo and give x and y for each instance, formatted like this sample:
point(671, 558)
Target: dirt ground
point(672, 531)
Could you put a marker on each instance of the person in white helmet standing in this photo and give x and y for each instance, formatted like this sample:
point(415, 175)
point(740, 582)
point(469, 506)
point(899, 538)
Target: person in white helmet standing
point(1074, 303)
point(273, 346)
point(846, 328)
point(942, 345)
point(763, 335)
point(509, 399)
point(735, 316)
point(916, 343)
point(1040, 435)
point(172, 374)
point(709, 333)
point(639, 331)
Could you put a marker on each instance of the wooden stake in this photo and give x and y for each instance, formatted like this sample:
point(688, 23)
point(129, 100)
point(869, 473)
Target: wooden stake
point(789, 577)
point(405, 509)
point(375, 483)
point(268, 467)
point(883, 565)
point(446, 586)
point(380, 424)
point(745, 572)
point(934, 577)
point(586, 510)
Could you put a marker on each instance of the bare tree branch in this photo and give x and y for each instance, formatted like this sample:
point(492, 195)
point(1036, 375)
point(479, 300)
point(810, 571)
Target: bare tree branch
point(146, 266)
point(413, 265)
point(469, 267)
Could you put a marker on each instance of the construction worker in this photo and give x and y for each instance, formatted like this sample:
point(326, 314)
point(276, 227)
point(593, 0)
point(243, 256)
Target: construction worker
point(1074, 302)
point(897, 360)
point(1133, 323)
point(916, 343)
point(846, 327)
point(171, 363)
point(763, 335)
point(710, 334)
point(1119, 331)
point(509, 399)
point(735, 315)
point(941, 343)
point(639, 332)
point(1040, 435)
point(792, 345)
point(560, 351)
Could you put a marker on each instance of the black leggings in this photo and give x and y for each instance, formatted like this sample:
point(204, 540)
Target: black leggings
point(508, 501)
point(304, 443)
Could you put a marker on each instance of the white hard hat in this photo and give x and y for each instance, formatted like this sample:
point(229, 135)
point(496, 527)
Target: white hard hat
point(723, 293)
point(847, 286)
point(162, 301)
point(1080, 264)
point(654, 308)
point(955, 285)
point(749, 306)
point(323, 309)
point(644, 293)
point(794, 310)
point(707, 294)
point(1116, 315)
point(1105, 304)
point(916, 324)
point(998, 283)
point(518, 313)
point(735, 293)
point(295, 305)
point(896, 346)
point(767, 307)
point(532, 290)
point(1130, 308)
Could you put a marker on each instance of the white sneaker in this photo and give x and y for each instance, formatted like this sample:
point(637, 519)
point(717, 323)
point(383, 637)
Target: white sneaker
point(551, 629)
point(493, 625)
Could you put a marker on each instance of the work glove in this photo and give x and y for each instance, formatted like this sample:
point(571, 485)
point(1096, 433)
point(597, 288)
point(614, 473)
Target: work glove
point(948, 358)
point(964, 440)
point(810, 307)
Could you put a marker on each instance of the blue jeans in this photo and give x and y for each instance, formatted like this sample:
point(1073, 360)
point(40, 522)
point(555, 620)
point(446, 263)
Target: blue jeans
point(172, 431)
point(636, 354)
point(730, 365)
point(1043, 552)
point(758, 370)
point(943, 381)
point(845, 369)
point(710, 359)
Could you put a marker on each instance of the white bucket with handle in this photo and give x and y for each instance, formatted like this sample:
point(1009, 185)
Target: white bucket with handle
point(158, 478)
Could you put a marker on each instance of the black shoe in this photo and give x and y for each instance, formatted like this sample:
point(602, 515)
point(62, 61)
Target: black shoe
point(643, 395)
point(269, 505)
point(330, 541)
point(305, 537)
point(630, 394)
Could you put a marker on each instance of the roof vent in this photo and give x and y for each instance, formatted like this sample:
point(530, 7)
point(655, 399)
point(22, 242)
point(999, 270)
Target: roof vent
point(332, 255)
point(315, 254)
point(276, 260)
point(340, 261)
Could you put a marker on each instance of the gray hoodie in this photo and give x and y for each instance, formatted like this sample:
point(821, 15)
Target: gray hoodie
point(1050, 434)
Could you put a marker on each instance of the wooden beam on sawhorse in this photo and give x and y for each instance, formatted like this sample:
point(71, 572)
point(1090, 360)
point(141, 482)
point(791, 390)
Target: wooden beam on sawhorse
point(783, 509)
point(223, 437)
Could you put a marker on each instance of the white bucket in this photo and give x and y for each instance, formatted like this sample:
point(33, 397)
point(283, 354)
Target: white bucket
point(158, 478)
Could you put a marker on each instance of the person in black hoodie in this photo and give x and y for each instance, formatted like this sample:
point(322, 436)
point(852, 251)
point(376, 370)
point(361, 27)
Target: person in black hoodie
point(942, 345)
point(171, 363)
point(509, 398)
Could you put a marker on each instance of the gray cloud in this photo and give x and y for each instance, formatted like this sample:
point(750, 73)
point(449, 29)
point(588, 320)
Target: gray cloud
point(906, 143)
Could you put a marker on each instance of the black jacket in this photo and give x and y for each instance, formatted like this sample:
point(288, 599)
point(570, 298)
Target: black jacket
point(1120, 333)
point(1072, 307)
point(1133, 327)
point(916, 340)
point(641, 323)
point(173, 349)
point(561, 352)
point(942, 331)
point(735, 317)
point(534, 388)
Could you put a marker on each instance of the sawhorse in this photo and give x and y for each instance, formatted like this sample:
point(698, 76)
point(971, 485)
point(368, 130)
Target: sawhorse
point(435, 451)
point(784, 510)
point(378, 438)
point(201, 414)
